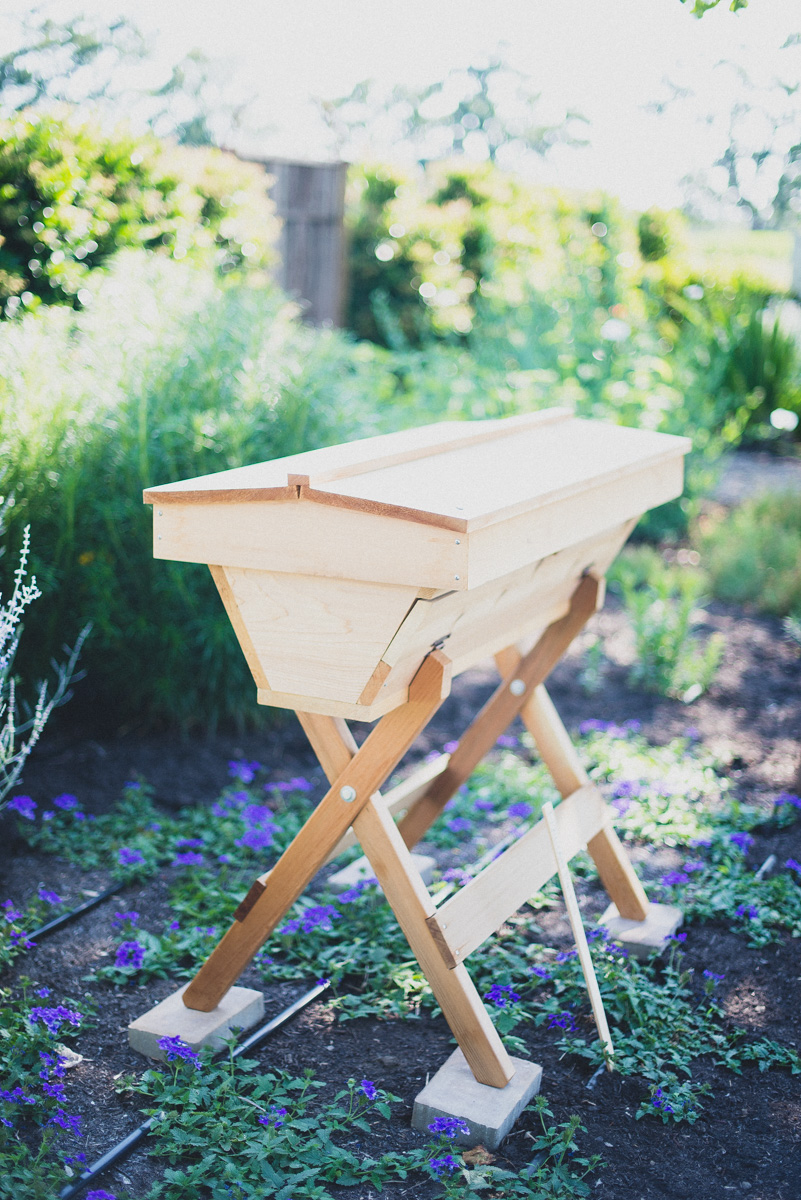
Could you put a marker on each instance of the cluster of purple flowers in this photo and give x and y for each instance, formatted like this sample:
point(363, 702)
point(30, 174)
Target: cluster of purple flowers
point(566, 955)
point(244, 771)
point(520, 809)
point(24, 806)
point(507, 741)
point(66, 802)
point(450, 1127)
point(674, 878)
point(176, 1048)
point(456, 875)
point(484, 804)
point(188, 858)
point(542, 972)
point(274, 1117)
point(501, 995)
point(296, 784)
point(793, 864)
point(99, 1194)
point(743, 841)
point(130, 955)
point(125, 918)
point(787, 798)
point(128, 857)
point(460, 825)
point(449, 747)
point(69, 1121)
point(320, 914)
point(713, 978)
point(51, 1074)
point(660, 1101)
point(54, 1018)
point(749, 912)
point(17, 938)
point(563, 1020)
point(357, 891)
point(260, 829)
point(441, 1166)
point(369, 1089)
point(49, 897)
point(16, 1097)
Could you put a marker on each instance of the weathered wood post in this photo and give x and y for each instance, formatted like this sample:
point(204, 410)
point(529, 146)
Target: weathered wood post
point(310, 202)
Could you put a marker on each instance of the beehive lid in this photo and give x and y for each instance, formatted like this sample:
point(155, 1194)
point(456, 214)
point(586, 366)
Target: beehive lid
point(461, 475)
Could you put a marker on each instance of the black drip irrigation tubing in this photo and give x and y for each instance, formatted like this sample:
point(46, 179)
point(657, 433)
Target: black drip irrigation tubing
point(131, 1141)
point(65, 918)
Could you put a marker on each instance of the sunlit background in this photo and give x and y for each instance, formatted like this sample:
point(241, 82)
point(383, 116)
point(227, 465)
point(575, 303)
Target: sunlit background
point(653, 88)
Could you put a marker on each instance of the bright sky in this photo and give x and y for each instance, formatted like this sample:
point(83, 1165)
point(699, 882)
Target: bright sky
point(604, 58)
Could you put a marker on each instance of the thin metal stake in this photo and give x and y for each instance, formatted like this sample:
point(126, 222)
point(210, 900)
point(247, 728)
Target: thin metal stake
point(579, 936)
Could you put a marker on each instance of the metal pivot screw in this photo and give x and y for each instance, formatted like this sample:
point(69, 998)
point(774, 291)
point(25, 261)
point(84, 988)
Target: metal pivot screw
point(517, 687)
point(347, 793)
point(457, 577)
point(161, 514)
point(458, 542)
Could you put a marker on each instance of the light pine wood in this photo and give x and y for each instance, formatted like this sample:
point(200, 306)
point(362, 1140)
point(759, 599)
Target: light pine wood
point(239, 624)
point(407, 894)
point(559, 755)
point(301, 538)
point(579, 935)
point(318, 637)
point(500, 710)
point(268, 479)
point(265, 906)
point(542, 530)
point(479, 909)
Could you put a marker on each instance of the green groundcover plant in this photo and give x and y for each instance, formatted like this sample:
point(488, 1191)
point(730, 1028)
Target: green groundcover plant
point(221, 1129)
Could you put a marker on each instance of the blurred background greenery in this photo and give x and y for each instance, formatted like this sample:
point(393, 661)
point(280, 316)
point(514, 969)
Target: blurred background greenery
point(142, 340)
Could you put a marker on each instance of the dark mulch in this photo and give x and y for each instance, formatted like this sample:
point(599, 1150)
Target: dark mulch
point(748, 1141)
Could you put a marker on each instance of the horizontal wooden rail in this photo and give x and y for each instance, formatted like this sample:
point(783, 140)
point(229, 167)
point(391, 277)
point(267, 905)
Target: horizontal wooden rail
point(482, 906)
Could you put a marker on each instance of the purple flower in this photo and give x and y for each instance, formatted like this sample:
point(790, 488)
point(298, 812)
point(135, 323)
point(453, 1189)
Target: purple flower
point(98, 1193)
point(450, 747)
point(300, 784)
point(12, 914)
point(121, 918)
point(48, 816)
point(69, 1121)
point(660, 1101)
point(440, 1165)
point(713, 978)
point(520, 809)
point(24, 806)
point(256, 839)
point(456, 875)
point(369, 1089)
point(49, 897)
point(54, 1018)
point(189, 844)
point(243, 770)
point(129, 858)
point(501, 995)
point(43, 992)
point(563, 1020)
point(742, 840)
point(449, 1127)
point(543, 972)
point(66, 802)
point(507, 741)
point(174, 925)
point(354, 893)
point(691, 867)
point(175, 1048)
point(701, 841)
point(748, 911)
point(16, 1097)
point(788, 798)
point(130, 954)
point(274, 1117)
point(566, 955)
point(793, 864)
point(674, 878)
point(459, 825)
point(484, 804)
point(319, 914)
point(677, 937)
point(223, 858)
point(191, 858)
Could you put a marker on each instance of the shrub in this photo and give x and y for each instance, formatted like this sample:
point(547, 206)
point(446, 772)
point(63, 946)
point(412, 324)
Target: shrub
point(753, 554)
point(72, 194)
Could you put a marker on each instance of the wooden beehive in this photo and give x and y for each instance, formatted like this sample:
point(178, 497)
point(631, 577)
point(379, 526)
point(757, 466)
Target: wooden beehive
point(341, 568)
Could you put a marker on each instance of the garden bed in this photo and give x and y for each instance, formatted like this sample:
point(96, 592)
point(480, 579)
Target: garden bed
point(742, 1137)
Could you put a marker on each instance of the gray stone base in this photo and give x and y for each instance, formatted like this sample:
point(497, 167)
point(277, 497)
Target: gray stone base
point(490, 1112)
point(360, 870)
point(239, 1009)
point(642, 938)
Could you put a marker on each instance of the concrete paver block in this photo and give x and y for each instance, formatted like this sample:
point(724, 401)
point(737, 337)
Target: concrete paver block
point(641, 938)
point(360, 870)
point(490, 1112)
point(239, 1008)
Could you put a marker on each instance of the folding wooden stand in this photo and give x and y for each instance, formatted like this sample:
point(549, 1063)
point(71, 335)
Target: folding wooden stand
point(305, 607)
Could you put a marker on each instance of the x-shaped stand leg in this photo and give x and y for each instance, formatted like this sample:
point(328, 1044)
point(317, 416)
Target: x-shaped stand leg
point(354, 799)
point(522, 693)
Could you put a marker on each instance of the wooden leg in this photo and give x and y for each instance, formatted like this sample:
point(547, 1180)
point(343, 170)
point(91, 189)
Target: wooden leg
point(501, 709)
point(406, 893)
point(559, 755)
point(352, 787)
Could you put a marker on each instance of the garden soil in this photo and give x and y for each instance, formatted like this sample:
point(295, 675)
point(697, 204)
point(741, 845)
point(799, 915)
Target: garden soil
point(748, 1140)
